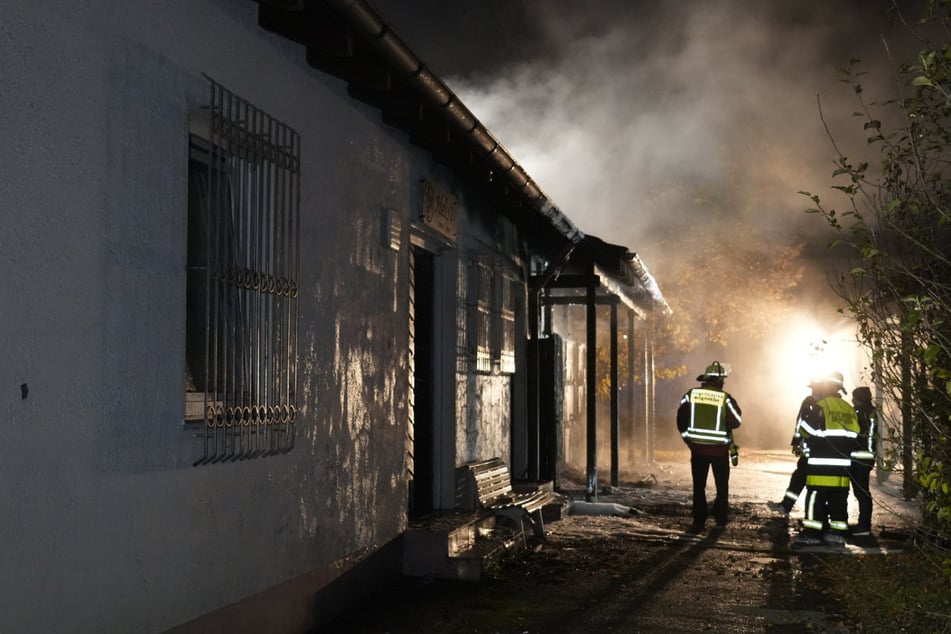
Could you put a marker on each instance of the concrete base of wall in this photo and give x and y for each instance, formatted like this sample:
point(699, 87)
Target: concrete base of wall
point(306, 602)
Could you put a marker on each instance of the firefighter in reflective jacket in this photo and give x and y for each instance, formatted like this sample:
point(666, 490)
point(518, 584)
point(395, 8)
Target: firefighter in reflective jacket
point(863, 458)
point(706, 418)
point(829, 428)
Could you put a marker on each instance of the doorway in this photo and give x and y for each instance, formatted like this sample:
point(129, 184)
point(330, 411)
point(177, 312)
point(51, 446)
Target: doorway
point(420, 460)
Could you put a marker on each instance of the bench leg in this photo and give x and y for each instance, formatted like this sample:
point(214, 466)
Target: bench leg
point(538, 523)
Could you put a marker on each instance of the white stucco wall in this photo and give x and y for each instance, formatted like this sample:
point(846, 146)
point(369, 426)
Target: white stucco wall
point(106, 526)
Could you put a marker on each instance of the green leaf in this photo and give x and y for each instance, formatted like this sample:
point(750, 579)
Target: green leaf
point(921, 80)
point(850, 189)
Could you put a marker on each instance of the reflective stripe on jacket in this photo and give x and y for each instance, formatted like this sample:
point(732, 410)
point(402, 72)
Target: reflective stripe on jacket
point(829, 428)
point(868, 422)
point(708, 416)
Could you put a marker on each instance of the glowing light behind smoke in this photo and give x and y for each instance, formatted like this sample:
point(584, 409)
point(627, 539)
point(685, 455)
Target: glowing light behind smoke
point(807, 348)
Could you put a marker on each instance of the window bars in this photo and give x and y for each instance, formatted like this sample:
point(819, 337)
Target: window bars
point(491, 296)
point(243, 262)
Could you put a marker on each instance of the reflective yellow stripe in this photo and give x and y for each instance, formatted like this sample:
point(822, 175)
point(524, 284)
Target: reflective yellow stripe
point(827, 481)
point(707, 420)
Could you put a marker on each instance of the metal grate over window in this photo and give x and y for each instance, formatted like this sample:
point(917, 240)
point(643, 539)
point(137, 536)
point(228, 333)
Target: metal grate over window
point(486, 308)
point(510, 289)
point(243, 261)
point(491, 296)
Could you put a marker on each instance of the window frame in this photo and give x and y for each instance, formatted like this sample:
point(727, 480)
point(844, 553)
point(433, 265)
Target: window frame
point(242, 267)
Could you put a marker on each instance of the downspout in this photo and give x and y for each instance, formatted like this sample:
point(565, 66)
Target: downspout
point(533, 440)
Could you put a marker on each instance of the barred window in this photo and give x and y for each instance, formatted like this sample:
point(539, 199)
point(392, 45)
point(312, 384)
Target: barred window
point(492, 308)
point(465, 348)
point(484, 308)
point(510, 290)
point(242, 281)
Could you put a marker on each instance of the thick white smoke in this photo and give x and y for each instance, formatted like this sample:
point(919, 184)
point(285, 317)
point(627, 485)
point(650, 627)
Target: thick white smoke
point(632, 115)
point(660, 98)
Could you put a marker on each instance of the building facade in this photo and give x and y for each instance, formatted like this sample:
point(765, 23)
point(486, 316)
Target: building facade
point(253, 322)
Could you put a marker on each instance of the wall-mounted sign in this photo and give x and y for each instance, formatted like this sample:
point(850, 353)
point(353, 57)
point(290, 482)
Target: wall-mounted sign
point(440, 209)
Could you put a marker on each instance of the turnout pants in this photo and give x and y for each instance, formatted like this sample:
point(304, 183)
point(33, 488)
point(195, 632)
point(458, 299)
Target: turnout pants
point(827, 507)
point(699, 467)
point(859, 475)
point(797, 482)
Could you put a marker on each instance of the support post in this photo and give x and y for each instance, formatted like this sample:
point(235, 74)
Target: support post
point(591, 491)
point(631, 414)
point(615, 425)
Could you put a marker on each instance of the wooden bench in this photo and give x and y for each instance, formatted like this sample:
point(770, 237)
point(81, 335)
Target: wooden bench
point(487, 485)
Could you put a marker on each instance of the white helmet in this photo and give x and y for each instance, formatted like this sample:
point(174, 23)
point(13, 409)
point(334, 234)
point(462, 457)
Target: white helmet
point(716, 371)
point(833, 379)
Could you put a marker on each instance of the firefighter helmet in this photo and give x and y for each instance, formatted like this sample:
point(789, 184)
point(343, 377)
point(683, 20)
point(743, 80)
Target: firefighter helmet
point(833, 379)
point(862, 395)
point(716, 371)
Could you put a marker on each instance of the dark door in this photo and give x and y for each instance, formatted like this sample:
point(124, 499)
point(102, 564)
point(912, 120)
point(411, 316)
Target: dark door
point(421, 305)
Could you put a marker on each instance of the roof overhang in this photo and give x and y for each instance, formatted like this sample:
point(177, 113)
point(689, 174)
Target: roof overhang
point(613, 270)
point(349, 40)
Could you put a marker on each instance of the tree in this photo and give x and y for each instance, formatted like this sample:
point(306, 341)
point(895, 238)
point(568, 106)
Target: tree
point(894, 224)
point(717, 293)
point(735, 284)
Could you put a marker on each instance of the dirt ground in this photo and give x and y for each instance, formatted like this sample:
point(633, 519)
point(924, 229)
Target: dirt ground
point(642, 572)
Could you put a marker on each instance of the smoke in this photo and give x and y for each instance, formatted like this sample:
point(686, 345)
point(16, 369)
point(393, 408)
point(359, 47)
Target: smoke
point(630, 113)
point(643, 119)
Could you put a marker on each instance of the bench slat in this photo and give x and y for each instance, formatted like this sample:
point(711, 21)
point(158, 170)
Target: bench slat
point(493, 492)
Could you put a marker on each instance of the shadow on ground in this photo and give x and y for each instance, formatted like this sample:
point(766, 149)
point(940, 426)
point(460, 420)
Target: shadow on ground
point(638, 573)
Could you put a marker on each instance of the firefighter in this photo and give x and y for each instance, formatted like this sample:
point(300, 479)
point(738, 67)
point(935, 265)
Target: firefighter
point(706, 418)
point(829, 428)
point(863, 458)
point(797, 481)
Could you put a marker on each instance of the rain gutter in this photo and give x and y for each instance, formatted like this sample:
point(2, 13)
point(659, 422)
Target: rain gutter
point(648, 282)
point(367, 23)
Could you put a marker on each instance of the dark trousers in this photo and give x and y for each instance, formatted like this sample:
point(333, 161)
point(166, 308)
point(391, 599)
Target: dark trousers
point(827, 508)
point(797, 482)
point(699, 467)
point(859, 474)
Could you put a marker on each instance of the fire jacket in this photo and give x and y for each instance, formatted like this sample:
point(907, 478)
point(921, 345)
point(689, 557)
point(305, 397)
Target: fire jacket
point(706, 419)
point(829, 428)
point(868, 434)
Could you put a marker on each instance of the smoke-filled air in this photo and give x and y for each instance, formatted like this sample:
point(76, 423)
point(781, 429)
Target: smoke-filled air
point(686, 131)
